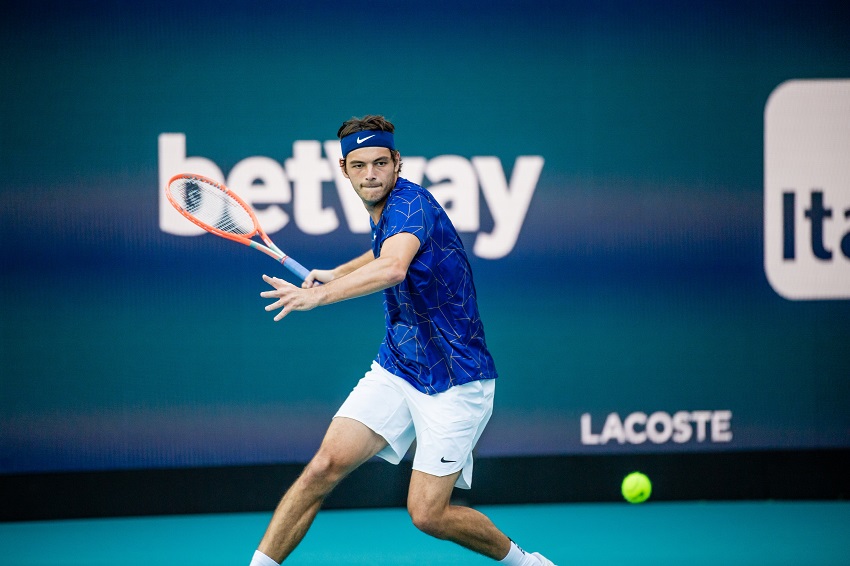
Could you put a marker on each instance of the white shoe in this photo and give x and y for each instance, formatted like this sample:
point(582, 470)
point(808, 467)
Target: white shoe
point(543, 560)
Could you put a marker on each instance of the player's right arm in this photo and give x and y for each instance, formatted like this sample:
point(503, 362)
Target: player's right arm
point(397, 252)
point(327, 275)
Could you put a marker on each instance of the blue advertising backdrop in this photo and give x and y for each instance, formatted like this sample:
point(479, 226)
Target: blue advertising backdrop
point(603, 161)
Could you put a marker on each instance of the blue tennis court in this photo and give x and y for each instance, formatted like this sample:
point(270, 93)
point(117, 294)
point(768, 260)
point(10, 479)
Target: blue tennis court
point(693, 533)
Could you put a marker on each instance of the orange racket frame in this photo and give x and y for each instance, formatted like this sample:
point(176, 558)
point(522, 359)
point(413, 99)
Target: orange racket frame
point(269, 248)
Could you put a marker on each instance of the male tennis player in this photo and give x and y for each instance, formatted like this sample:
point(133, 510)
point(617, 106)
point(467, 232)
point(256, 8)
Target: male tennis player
point(433, 378)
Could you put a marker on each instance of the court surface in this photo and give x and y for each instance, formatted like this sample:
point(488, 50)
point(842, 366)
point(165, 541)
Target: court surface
point(745, 533)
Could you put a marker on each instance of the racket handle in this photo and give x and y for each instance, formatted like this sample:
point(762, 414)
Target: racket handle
point(296, 268)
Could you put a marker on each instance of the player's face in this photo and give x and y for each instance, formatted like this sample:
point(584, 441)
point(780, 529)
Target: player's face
point(372, 173)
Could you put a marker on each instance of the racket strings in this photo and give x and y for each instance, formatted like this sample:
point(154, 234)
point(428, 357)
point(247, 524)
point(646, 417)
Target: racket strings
point(212, 206)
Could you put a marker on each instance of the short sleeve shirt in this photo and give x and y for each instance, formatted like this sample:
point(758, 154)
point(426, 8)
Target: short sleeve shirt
point(435, 338)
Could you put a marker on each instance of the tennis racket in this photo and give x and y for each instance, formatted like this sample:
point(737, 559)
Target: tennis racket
point(220, 211)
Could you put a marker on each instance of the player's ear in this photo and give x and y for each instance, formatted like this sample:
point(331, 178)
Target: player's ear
point(342, 167)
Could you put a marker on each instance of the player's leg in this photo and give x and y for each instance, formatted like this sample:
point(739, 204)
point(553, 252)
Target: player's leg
point(347, 444)
point(373, 420)
point(428, 502)
point(448, 426)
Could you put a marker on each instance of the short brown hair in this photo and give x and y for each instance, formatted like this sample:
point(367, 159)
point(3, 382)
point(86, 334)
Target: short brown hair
point(368, 122)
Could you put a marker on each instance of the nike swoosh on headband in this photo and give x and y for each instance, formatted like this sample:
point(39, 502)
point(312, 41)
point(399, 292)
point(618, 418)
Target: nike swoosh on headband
point(376, 138)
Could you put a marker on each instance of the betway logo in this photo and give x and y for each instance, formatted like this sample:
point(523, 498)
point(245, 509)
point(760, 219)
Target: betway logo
point(292, 191)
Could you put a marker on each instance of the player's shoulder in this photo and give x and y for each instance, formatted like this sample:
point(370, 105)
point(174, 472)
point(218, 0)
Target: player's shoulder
point(408, 192)
point(403, 187)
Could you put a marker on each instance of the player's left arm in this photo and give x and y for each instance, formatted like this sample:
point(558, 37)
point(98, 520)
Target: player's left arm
point(387, 270)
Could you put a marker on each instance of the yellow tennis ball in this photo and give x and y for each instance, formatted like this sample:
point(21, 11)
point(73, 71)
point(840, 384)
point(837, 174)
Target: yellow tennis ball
point(636, 487)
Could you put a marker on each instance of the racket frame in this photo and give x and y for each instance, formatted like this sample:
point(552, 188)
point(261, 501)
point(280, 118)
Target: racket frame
point(270, 249)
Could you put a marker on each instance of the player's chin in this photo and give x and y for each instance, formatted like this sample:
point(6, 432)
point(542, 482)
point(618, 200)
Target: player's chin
point(372, 195)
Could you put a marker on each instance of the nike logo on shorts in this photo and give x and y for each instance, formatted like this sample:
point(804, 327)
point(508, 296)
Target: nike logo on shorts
point(444, 461)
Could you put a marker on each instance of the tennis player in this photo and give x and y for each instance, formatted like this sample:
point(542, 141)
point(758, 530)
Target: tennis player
point(433, 378)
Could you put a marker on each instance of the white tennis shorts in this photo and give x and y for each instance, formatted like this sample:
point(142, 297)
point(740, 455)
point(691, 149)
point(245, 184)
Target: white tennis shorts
point(446, 425)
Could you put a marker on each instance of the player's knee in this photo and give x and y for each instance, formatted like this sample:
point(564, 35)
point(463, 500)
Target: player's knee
point(323, 471)
point(427, 519)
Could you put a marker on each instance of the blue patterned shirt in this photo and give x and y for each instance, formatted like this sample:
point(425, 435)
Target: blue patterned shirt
point(435, 339)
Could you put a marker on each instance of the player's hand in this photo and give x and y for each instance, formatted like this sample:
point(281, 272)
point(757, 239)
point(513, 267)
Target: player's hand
point(317, 277)
point(289, 297)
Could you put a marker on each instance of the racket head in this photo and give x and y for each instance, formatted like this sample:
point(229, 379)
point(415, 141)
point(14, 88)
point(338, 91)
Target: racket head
point(213, 207)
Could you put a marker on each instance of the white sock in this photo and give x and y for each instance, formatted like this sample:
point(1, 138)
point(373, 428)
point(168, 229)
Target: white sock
point(518, 557)
point(261, 559)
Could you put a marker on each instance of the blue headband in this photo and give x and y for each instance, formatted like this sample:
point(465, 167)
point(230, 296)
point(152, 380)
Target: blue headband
point(367, 138)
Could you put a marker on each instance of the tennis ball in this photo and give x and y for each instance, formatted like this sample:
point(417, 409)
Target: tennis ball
point(636, 487)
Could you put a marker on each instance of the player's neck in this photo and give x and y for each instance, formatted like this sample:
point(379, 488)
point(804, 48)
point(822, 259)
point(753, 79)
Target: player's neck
point(376, 209)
